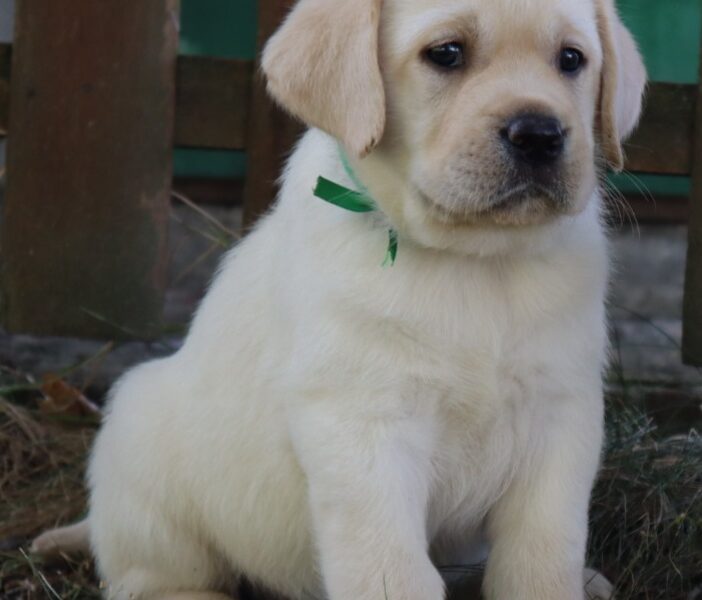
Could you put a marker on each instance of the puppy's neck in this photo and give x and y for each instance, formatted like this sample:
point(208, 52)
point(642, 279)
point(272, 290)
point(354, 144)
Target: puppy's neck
point(385, 178)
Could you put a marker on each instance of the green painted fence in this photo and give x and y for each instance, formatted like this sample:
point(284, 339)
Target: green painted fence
point(668, 32)
point(225, 28)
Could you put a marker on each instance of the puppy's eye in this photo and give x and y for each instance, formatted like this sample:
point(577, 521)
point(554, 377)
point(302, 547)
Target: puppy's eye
point(571, 60)
point(447, 56)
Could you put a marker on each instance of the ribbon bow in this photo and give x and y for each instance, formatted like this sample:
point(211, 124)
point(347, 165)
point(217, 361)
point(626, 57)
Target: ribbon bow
point(351, 200)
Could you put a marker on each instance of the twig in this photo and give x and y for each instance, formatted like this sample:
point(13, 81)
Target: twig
point(205, 215)
point(40, 576)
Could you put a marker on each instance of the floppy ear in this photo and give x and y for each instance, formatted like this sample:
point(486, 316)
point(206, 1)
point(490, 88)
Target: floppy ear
point(322, 66)
point(623, 83)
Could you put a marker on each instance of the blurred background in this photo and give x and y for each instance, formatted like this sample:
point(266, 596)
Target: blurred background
point(137, 144)
point(648, 225)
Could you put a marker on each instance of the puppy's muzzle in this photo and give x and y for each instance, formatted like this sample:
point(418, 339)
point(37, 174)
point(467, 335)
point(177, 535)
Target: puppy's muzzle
point(534, 140)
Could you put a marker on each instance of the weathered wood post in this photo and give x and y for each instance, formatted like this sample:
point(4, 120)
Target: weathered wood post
point(271, 132)
point(4, 89)
point(84, 233)
point(692, 313)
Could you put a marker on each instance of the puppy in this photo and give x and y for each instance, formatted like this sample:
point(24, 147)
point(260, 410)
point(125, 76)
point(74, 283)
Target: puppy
point(333, 428)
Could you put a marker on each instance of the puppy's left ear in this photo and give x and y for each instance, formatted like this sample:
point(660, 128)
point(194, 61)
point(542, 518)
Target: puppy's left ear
point(322, 66)
point(623, 83)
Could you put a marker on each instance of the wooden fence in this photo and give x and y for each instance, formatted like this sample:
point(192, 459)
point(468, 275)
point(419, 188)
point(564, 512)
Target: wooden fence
point(92, 115)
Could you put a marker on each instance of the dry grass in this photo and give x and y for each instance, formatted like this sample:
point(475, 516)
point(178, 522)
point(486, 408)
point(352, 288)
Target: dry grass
point(42, 458)
point(647, 510)
point(25, 578)
point(41, 469)
point(647, 507)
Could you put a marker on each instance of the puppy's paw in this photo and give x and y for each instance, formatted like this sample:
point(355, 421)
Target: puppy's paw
point(597, 587)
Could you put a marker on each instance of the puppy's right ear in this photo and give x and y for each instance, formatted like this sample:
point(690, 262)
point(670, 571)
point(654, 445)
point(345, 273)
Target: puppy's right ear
point(322, 66)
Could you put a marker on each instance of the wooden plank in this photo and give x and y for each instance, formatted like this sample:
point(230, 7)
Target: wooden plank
point(89, 166)
point(663, 210)
point(212, 101)
point(271, 132)
point(692, 306)
point(217, 192)
point(663, 142)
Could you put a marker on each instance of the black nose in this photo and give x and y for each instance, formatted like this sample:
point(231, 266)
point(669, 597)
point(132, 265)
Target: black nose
point(536, 139)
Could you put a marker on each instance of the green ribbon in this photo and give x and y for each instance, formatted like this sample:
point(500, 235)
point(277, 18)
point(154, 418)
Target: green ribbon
point(343, 197)
point(351, 200)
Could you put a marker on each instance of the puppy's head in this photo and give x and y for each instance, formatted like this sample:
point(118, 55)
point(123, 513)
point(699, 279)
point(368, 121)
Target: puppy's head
point(492, 113)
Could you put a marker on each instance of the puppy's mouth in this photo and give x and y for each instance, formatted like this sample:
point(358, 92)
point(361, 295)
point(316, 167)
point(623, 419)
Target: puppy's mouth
point(522, 203)
point(521, 196)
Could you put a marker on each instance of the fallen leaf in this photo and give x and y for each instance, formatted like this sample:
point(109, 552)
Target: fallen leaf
point(61, 398)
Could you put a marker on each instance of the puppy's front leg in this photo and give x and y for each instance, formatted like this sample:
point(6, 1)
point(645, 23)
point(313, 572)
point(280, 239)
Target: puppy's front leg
point(368, 482)
point(538, 529)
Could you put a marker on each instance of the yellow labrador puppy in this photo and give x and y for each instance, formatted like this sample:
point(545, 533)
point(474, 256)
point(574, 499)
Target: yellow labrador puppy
point(333, 428)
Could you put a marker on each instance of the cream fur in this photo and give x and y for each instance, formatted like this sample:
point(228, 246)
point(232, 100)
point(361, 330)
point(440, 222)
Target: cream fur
point(375, 411)
point(332, 428)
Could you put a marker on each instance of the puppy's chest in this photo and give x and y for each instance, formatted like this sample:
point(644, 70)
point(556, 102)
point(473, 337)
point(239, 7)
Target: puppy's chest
point(480, 444)
point(482, 433)
point(483, 375)
point(477, 348)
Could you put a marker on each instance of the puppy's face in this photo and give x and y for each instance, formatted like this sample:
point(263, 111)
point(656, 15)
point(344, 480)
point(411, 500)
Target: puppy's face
point(492, 105)
point(490, 114)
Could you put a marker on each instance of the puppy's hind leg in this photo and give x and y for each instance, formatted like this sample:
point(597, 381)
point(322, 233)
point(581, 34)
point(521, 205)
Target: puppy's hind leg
point(75, 539)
